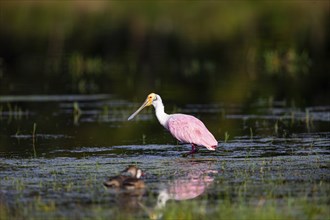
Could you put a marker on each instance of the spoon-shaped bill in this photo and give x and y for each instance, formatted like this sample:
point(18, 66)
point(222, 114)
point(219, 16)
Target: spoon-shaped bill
point(137, 111)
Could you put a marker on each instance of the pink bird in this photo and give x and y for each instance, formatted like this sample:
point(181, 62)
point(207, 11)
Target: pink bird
point(185, 128)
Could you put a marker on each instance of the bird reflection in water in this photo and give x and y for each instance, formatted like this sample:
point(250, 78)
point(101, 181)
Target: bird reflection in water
point(130, 188)
point(190, 186)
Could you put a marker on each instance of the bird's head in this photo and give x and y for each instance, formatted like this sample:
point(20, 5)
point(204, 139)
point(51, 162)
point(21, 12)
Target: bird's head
point(134, 171)
point(152, 99)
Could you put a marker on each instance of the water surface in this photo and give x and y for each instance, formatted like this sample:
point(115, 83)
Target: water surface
point(276, 153)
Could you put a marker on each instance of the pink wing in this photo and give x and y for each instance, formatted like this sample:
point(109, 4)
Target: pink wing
point(188, 129)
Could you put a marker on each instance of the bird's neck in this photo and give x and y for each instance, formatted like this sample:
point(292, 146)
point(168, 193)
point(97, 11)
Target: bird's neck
point(161, 115)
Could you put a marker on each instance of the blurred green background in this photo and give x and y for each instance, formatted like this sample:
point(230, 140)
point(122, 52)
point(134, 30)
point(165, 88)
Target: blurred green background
point(198, 51)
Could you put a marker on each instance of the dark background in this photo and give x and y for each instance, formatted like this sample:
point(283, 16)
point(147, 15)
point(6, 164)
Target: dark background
point(210, 51)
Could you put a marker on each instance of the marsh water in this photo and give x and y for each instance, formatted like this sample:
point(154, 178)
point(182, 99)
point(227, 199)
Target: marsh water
point(54, 160)
point(255, 72)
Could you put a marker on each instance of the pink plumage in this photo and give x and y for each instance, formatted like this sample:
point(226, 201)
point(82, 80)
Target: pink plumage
point(190, 130)
point(186, 128)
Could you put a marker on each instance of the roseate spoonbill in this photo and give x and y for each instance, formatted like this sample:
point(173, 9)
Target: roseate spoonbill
point(185, 128)
point(130, 181)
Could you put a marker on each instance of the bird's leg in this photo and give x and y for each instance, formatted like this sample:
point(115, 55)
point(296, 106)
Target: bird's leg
point(194, 149)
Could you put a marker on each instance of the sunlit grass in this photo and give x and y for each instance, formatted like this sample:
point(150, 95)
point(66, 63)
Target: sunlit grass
point(266, 206)
point(288, 208)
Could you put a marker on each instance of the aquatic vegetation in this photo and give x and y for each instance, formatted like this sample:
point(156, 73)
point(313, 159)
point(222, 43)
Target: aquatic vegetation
point(226, 136)
point(251, 133)
point(255, 188)
point(209, 46)
point(11, 112)
point(290, 61)
point(276, 128)
point(34, 139)
point(258, 175)
point(76, 113)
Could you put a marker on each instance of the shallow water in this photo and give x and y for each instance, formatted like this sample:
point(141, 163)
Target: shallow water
point(59, 170)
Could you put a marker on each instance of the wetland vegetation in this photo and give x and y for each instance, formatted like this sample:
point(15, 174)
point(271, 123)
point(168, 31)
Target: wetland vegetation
point(256, 73)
